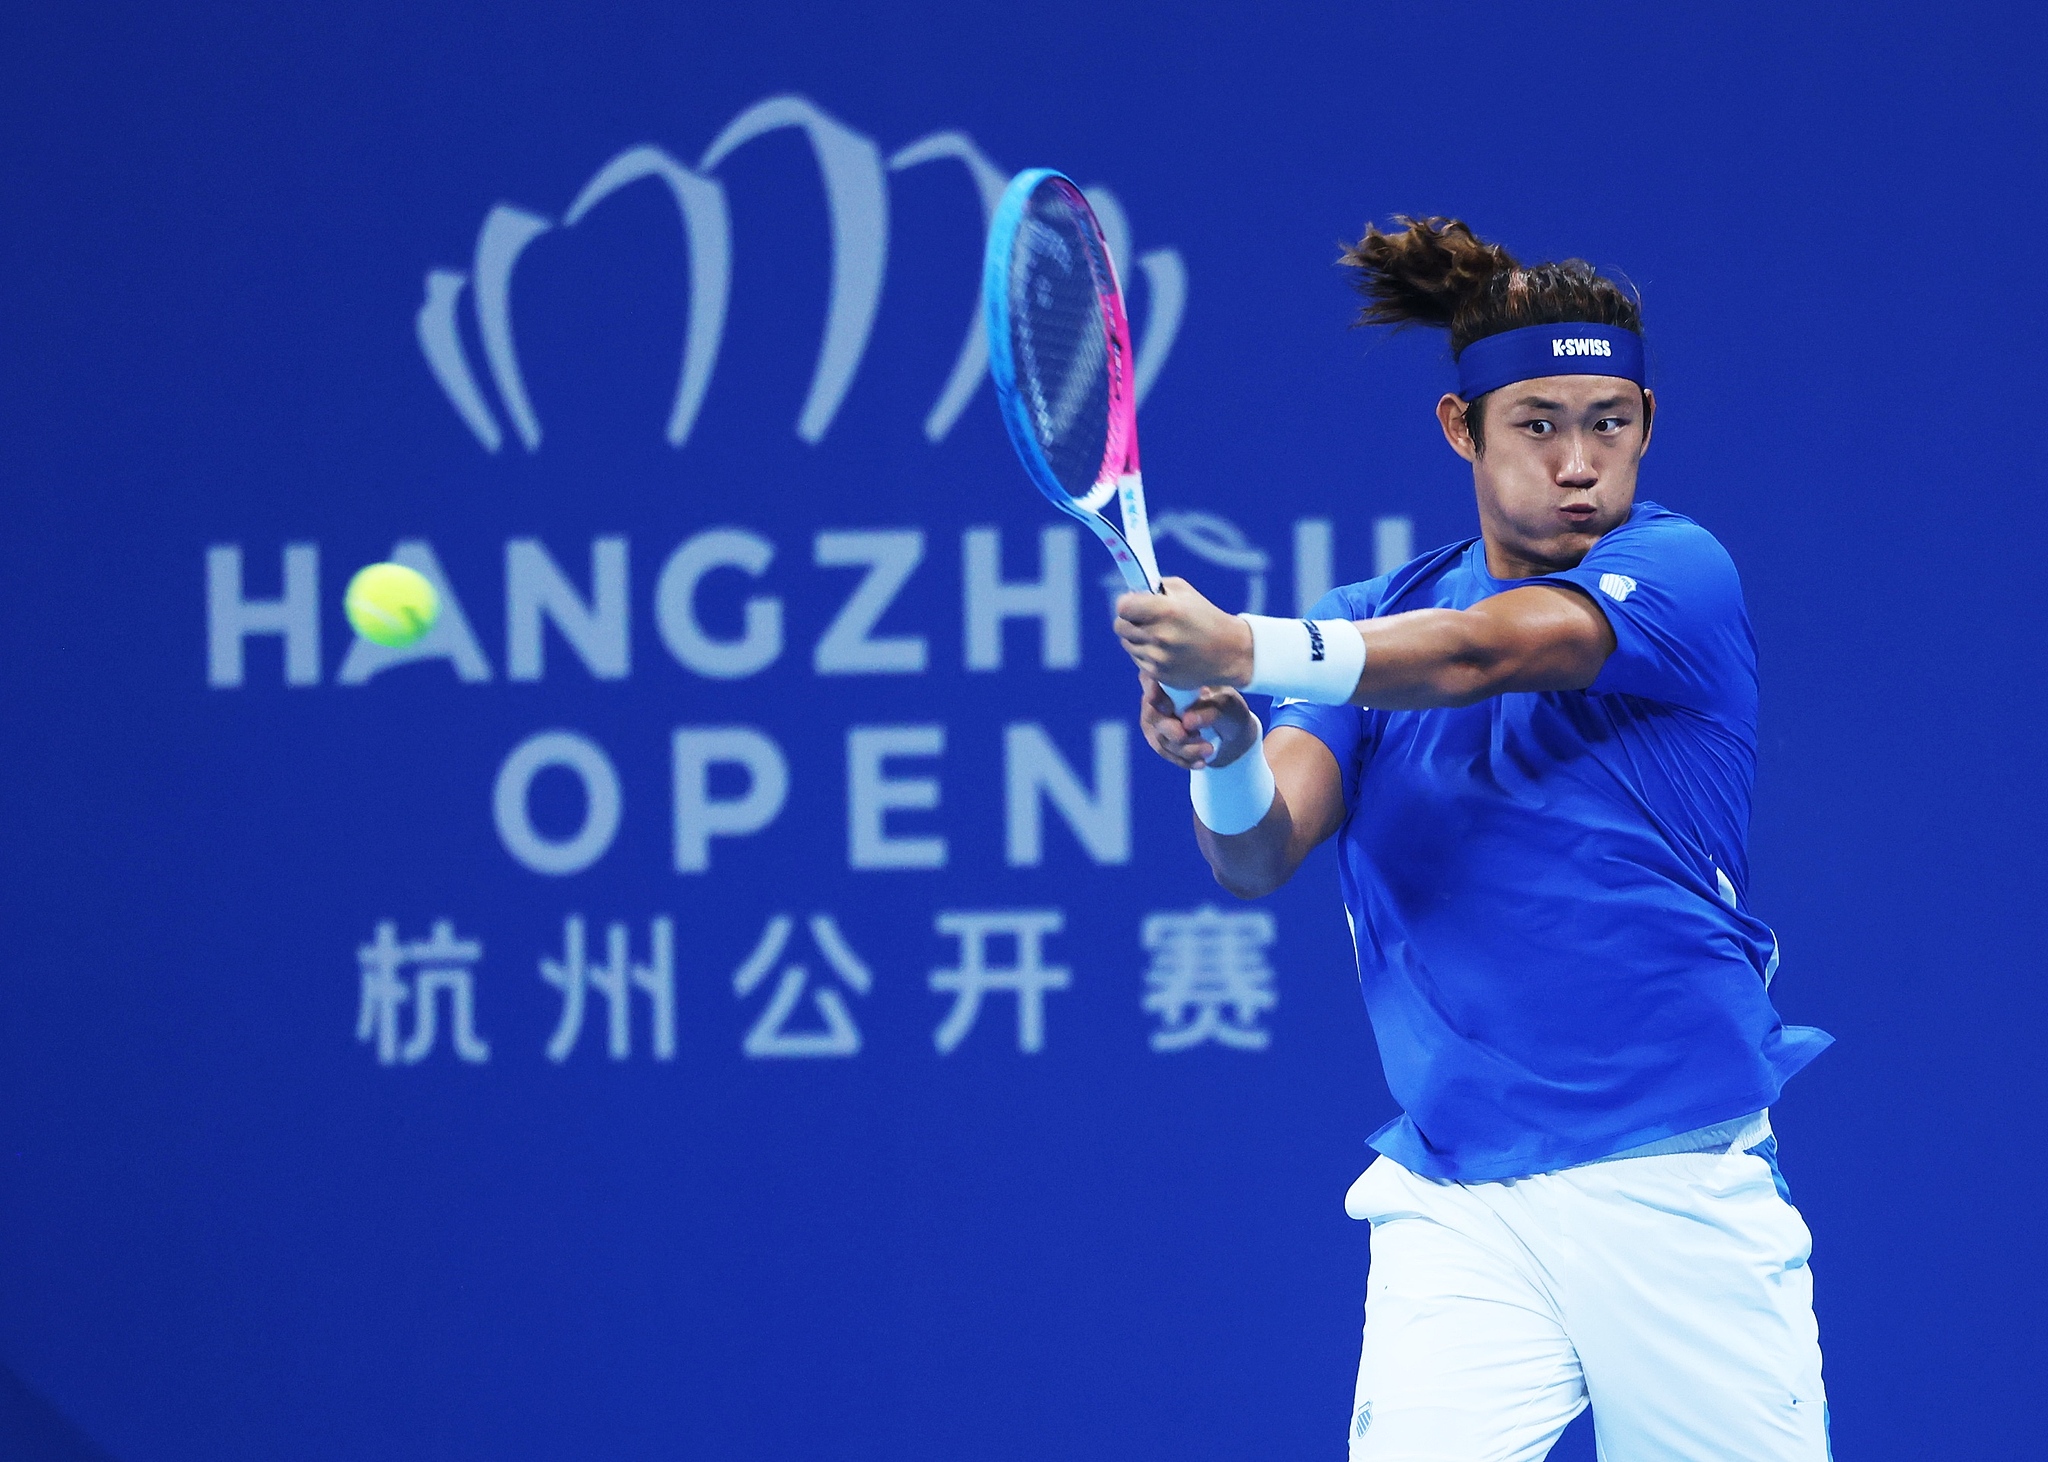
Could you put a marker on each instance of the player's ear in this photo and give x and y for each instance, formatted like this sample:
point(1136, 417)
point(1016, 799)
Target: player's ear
point(1450, 414)
point(1649, 418)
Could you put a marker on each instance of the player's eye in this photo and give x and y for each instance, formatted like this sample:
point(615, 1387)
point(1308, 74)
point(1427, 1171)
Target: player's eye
point(1540, 427)
point(1610, 424)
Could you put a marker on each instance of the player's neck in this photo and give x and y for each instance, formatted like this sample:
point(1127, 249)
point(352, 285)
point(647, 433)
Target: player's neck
point(1505, 560)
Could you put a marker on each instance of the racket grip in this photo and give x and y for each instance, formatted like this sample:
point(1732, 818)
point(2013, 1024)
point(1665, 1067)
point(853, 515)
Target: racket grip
point(1182, 699)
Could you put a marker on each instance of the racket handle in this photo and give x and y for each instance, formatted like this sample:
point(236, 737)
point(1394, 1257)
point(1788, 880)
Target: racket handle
point(1182, 699)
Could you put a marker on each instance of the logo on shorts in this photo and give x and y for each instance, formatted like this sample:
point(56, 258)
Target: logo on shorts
point(1315, 640)
point(1576, 346)
point(1364, 1420)
point(1617, 586)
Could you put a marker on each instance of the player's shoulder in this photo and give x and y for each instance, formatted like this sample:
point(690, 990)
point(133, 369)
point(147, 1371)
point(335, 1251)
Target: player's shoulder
point(1370, 598)
point(1655, 536)
point(1651, 523)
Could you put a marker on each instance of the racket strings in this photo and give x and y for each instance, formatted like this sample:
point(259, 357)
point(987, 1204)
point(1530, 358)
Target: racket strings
point(1059, 341)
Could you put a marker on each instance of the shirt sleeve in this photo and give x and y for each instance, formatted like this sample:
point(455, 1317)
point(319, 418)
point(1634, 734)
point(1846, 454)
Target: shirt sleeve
point(1343, 729)
point(1681, 632)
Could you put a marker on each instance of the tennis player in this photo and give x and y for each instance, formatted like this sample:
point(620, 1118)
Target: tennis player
point(1536, 750)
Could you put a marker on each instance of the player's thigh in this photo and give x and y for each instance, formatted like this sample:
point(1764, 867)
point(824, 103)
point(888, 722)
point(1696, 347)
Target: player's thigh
point(1464, 1358)
point(1696, 1327)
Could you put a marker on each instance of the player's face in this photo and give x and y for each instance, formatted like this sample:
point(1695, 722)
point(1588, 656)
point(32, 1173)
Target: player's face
point(1559, 467)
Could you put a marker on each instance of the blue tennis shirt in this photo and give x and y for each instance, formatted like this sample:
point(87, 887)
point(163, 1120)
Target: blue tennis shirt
point(1548, 891)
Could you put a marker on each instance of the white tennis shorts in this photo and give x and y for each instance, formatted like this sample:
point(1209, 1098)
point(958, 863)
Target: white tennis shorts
point(1672, 1292)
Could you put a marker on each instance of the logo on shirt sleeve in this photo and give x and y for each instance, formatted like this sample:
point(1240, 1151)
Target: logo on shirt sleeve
point(1617, 586)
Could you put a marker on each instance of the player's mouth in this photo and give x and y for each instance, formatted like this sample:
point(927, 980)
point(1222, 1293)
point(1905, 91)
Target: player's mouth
point(1578, 512)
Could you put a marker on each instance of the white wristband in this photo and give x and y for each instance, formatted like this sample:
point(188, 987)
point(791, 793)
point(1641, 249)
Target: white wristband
point(1305, 660)
point(1236, 798)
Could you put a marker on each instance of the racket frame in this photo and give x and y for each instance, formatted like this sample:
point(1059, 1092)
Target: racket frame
point(1129, 541)
point(1118, 477)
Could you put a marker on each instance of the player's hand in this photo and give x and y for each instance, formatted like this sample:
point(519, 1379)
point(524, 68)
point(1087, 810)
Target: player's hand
point(1177, 735)
point(1181, 639)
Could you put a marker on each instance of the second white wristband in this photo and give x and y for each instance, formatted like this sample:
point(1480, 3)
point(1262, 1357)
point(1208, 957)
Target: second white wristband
point(1236, 798)
point(1315, 660)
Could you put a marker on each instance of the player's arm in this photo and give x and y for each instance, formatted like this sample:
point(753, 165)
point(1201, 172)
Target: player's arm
point(1542, 637)
point(1307, 791)
point(1539, 637)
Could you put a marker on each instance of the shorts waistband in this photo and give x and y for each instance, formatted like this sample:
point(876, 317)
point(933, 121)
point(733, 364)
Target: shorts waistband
point(1739, 1135)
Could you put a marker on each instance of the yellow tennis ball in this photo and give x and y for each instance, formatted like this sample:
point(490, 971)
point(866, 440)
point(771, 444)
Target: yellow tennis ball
point(391, 604)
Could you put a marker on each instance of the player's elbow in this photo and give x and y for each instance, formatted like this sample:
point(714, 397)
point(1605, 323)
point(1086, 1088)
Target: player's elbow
point(1245, 873)
point(1247, 884)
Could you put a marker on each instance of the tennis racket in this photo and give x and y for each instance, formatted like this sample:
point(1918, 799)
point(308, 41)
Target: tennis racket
point(1059, 351)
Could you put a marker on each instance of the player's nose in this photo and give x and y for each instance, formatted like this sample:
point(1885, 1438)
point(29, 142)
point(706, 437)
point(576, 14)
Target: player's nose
point(1576, 470)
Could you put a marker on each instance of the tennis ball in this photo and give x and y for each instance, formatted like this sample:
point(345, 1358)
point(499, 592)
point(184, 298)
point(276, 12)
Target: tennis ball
point(391, 604)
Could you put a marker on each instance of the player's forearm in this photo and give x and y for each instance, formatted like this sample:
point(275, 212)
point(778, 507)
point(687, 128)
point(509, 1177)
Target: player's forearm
point(1272, 813)
point(1253, 863)
point(1431, 658)
point(1541, 638)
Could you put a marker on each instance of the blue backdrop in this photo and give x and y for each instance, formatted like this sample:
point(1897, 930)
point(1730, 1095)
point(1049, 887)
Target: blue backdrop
point(744, 993)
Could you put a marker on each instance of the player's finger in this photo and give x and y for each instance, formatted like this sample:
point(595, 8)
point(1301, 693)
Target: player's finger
point(1155, 707)
point(1147, 657)
point(1132, 634)
point(1203, 711)
point(1183, 751)
point(1192, 749)
point(1180, 751)
point(1169, 725)
point(1161, 699)
point(1166, 729)
point(1138, 642)
point(1139, 608)
point(1177, 597)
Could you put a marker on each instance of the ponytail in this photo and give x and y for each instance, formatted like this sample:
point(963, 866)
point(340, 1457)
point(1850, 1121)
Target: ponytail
point(1437, 272)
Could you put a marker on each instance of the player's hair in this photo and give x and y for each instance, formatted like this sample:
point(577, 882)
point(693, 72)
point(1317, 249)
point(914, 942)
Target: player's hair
point(1437, 272)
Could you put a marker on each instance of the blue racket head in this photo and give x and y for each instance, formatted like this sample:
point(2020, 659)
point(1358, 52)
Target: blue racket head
point(1051, 344)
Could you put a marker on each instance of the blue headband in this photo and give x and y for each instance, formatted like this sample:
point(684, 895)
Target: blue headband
point(1494, 361)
